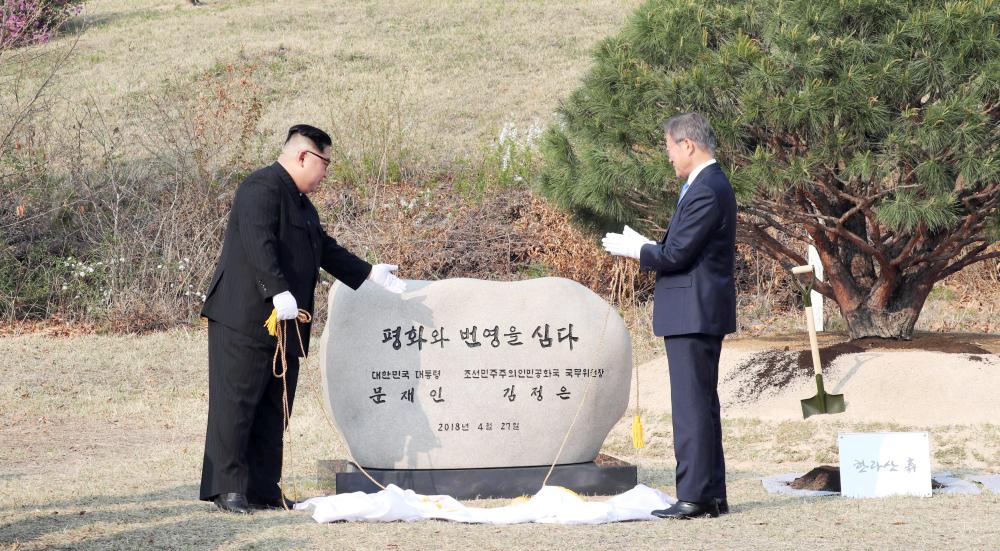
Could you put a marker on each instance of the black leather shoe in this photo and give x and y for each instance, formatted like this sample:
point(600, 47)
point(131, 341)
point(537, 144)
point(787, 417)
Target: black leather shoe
point(233, 503)
point(275, 503)
point(688, 509)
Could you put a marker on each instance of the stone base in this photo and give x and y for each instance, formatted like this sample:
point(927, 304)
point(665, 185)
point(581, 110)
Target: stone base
point(605, 475)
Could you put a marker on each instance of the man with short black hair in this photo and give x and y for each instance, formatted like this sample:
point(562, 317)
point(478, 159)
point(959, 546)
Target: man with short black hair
point(273, 249)
point(694, 307)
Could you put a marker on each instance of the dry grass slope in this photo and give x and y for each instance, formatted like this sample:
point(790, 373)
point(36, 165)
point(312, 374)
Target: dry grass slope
point(457, 69)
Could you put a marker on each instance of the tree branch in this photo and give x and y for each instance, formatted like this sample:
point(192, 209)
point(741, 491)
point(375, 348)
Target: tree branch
point(910, 245)
point(869, 201)
point(768, 242)
point(840, 283)
point(970, 258)
point(766, 217)
point(805, 218)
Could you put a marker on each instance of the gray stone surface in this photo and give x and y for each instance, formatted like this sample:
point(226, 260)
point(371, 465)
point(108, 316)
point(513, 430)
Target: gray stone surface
point(497, 404)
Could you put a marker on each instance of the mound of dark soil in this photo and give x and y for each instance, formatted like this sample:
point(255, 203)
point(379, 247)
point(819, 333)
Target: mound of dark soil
point(824, 478)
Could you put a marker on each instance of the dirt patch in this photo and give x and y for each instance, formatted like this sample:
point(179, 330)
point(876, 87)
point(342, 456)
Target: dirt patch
point(768, 370)
point(824, 478)
point(922, 340)
point(928, 342)
point(773, 370)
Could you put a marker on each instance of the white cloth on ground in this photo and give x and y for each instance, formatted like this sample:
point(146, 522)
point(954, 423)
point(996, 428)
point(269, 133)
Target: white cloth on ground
point(778, 484)
point(953, 485)
point(551, 505)
point(989, 481)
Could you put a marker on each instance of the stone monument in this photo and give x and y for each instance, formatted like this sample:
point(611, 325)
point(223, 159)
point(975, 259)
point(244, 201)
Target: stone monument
point(476, 379)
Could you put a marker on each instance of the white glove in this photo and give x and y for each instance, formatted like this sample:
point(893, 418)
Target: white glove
point(629, 232)
point(285, 305)
point(382, 275)
point(628, 244)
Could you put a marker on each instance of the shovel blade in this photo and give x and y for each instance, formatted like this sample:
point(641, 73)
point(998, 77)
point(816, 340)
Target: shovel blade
point(823, 403)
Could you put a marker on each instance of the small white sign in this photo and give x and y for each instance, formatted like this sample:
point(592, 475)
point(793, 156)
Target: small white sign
point(879, 464)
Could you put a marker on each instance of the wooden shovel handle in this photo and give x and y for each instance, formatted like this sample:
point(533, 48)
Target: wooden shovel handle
point(813, 344)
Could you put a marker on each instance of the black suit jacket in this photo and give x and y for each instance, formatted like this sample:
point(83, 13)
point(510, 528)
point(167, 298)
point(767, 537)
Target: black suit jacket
point(274, 243)
point(694, 262)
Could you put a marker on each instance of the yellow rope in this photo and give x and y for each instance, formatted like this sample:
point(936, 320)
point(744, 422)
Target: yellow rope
point(623, 292)
point(277, 329)
point(638, 436)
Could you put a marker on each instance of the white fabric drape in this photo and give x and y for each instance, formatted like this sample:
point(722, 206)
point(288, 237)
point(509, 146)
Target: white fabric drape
point(551, 505)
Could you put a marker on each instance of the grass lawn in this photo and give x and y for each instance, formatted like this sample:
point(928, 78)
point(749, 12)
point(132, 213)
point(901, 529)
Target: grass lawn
point(446, 75)
point(102, 442)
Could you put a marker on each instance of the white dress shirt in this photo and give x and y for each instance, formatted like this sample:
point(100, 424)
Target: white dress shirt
point(694, 174)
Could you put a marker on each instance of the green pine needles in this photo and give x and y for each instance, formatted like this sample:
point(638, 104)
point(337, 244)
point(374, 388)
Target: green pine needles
point(869, 128)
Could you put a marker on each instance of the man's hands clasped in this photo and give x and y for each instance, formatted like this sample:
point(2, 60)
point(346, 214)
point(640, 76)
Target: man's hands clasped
point(628, 243)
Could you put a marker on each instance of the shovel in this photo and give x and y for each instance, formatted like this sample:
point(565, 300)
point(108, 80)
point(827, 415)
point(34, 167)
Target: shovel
point(821, 402)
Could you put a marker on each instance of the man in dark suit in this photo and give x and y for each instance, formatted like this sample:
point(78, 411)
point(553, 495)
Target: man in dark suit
point(273, 249)
point(694, 307)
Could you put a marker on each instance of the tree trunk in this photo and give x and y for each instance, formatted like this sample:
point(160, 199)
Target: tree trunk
point(895, 320)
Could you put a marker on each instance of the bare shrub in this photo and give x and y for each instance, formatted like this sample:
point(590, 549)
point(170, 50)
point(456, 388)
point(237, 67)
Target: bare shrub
point(369, 142)
point(26, 202)
point(199, 145)
point(965, 301)
point(134, 204)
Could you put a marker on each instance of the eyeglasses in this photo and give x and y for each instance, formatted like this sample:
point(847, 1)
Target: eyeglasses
point(326, 162)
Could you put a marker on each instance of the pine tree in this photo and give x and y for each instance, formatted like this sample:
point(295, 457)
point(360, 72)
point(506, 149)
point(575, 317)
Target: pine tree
point(869, 128)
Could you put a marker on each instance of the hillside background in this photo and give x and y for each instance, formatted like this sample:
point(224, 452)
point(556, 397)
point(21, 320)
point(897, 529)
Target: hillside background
point(114, 198)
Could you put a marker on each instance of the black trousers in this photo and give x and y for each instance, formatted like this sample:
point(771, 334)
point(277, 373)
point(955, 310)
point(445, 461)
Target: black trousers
point(694, 396)
point(243, 442)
